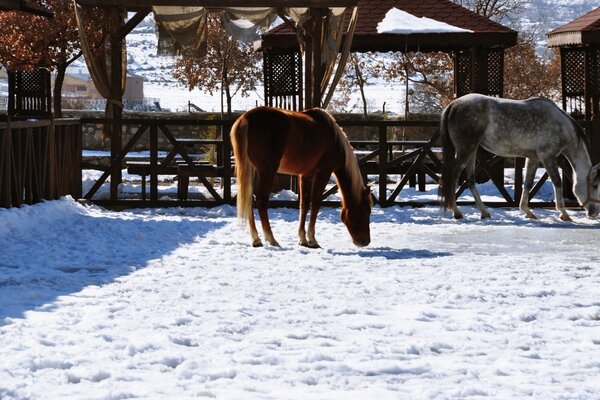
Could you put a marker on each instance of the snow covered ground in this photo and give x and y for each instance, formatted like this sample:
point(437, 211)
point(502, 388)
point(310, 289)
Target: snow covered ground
point(175, 304)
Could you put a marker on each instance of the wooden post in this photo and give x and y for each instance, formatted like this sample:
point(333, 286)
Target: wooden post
point(382, 166)
point(308, 63)
point(116, 73)
point(5, 165)
point(317, 64)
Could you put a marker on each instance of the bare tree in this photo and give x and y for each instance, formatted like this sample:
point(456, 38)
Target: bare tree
point(229, 66)
point(496, 10)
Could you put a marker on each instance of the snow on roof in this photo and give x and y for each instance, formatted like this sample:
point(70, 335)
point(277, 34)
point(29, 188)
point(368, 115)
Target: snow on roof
point(401, 22)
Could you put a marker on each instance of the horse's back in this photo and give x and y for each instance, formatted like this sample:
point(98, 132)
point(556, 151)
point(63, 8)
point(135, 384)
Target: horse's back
point(509, 127)
point(293, 142)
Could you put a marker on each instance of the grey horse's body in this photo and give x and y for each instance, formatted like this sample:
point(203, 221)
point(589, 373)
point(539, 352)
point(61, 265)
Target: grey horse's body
point(535, 129)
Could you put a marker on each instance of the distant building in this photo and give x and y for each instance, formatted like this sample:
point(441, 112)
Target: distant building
point(80, 85)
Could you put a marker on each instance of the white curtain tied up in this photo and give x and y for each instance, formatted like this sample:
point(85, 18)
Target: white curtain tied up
point(183, 29)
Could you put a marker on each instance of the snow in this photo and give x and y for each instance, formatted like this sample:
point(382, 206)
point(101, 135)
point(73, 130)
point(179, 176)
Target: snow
point(174, 303)
point(401, 22)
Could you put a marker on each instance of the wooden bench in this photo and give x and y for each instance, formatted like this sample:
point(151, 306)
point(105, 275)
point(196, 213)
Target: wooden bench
point(185, 171)
point(180, 168)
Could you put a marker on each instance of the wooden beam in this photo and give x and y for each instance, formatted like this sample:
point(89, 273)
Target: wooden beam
point(222, 3)
point(134, 21)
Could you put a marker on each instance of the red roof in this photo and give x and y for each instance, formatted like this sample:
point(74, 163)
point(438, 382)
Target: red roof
point(581, 31)
point(370, 12)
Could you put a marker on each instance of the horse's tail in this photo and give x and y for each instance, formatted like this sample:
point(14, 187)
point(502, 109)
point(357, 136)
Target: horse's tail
point(447, 188)
point(244, 169)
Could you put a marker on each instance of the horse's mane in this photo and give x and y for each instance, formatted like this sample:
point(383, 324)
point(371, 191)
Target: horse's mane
point(578, 129)
point(343, 145)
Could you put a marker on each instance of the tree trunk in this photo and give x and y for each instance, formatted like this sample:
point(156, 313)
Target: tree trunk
point(361, 84)
point(57, 90)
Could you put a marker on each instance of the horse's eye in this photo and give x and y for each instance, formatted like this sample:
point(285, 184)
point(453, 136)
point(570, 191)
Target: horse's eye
point(595, 186)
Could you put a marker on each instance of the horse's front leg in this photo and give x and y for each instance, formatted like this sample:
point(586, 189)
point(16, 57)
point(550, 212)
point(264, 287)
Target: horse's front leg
point(530, 168)
point(552, 168)
point(318, 186)
point(265, 185)
point(305, 185)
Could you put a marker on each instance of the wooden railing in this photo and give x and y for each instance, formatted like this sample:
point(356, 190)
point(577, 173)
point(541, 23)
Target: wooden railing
point(408, 162)
point(39, 160)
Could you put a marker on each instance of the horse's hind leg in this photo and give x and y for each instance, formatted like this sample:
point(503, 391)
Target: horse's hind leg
point(463, 159)
point(530, 168)
point(470, 171)
point(263, 190)
point(254, 232)
point(551, 166)
point(305, 185)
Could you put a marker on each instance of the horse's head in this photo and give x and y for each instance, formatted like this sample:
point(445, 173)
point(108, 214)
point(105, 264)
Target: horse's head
point(356, 215)
point(592, 190)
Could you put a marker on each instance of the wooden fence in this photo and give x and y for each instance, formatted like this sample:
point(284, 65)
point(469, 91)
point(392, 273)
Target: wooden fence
point(381, 157)
point(39, 160)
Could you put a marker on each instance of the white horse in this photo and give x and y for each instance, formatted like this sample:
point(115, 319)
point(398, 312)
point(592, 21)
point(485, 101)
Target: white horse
point(535, 129)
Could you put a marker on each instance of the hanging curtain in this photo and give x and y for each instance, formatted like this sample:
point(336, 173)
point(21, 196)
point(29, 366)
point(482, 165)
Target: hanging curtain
point(181, 30)
point(98, 61)
point(342, 62)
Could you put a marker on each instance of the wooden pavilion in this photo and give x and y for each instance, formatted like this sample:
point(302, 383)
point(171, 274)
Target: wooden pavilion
point(478, 54)
point(579, 43)
point(315, 21)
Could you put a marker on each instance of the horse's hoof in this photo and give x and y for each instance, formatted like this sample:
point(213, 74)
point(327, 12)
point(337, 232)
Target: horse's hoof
point(311, 244)
point(257, 243)
point(274, 243)
point(486, 215)
point(566, 218)
point(458, 215)
point(530, 215)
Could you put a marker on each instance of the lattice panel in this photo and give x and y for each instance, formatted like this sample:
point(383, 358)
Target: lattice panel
point(594, 71)
point(489, 70)
point(283, 73)
point(573, 71)
point(283, 78)
point(463, 73)
point(495, 72)
point(30, 93)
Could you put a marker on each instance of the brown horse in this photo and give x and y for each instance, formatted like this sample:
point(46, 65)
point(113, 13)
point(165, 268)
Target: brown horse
point(309, 144)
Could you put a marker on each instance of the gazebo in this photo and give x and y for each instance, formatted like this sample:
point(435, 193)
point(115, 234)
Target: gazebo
point(477, 47)
point(579, 43)
point(319, 19)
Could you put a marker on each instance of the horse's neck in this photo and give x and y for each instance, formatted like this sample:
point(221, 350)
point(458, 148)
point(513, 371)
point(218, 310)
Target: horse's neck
point(346, 185)
point(579, 158)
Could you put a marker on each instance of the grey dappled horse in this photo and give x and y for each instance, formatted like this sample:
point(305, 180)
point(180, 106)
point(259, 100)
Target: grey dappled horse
point(535, 129)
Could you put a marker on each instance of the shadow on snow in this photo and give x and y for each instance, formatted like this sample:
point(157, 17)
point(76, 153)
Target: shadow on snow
point(41, 262)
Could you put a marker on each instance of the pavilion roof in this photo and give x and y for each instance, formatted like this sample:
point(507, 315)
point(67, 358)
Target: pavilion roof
point(29, 6)
point(484, 33)
point(584, 30)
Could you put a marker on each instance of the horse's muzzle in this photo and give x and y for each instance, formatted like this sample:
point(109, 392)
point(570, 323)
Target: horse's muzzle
point(361, 242)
